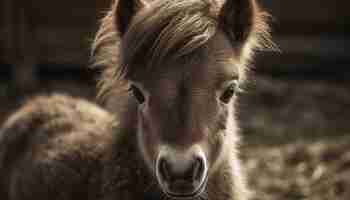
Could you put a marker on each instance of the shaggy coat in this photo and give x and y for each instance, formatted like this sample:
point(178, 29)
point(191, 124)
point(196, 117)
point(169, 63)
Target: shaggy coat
point(52, 148)
point(180, 55)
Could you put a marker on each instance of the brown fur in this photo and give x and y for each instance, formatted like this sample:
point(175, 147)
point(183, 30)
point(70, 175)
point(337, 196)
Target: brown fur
point(179, 51)
point(64, 148)
point(49, 147)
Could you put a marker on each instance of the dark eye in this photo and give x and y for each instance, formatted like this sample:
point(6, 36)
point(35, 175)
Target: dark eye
point(137, 94)
point(229, 92)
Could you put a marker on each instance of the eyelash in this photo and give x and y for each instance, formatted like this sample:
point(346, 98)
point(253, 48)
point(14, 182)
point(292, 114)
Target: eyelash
point(229, 92)
point(136, 92)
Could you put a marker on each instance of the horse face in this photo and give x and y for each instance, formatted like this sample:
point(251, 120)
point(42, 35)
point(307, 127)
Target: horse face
point(186, 116)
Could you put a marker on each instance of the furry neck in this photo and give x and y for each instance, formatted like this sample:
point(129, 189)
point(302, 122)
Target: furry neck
point(126, 175)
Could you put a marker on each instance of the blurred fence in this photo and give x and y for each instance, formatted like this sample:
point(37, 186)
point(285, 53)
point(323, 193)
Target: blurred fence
point(312, 34)
point(60, 31)
point(47, 33)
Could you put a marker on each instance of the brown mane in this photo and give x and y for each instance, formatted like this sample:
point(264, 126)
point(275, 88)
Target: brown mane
point(167, 29)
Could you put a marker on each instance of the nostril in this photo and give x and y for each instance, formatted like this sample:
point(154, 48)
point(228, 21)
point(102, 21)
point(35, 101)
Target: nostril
point(163, 167)
point(198, 169)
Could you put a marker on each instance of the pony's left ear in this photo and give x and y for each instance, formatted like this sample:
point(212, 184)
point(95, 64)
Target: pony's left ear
point(237, 18)
point(125, 11)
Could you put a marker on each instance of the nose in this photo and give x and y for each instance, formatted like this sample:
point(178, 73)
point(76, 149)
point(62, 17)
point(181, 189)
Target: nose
point(193, 172)
point(181, 176)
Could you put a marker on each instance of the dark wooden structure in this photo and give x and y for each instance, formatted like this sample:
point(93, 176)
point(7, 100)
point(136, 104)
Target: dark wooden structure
point(46, 32)
point(313, 35)
point(60, 31)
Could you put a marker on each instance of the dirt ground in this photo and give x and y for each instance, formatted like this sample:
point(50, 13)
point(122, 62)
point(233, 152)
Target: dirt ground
point(297, 138)
point(296, 134)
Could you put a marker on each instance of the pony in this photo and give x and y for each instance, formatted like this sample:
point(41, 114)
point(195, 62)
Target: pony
point(171, 76)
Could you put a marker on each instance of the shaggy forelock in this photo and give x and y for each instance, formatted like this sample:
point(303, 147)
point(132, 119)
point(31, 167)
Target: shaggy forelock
point(167, 30)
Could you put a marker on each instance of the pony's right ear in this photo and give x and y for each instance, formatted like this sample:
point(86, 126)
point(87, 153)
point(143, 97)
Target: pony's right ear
point(124, 12)
point(237, 18)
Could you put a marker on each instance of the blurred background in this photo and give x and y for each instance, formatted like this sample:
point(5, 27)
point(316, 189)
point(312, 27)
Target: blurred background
point(294, 113)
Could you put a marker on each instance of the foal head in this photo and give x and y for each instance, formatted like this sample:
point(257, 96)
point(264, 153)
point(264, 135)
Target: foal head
point(184, 61)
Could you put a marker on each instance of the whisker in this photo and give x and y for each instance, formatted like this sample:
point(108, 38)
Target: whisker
point(204, 196)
